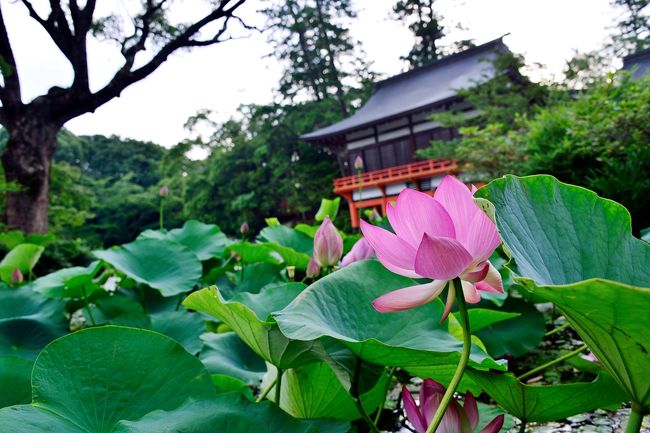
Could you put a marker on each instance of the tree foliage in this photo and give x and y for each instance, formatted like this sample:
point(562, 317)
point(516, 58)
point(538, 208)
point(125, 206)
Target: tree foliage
point(259, 167)
point(320, 58)
point(426, 24)
point(633, 27)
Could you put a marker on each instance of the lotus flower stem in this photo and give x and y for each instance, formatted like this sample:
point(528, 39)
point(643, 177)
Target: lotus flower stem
point(455, 285)
point(522, 426)
point(391, 371)
point(278, 386)
point(558, 329)
point(87, 305)
point(357, 398)
point(557, 360)
point(635, 420)
point(162, 210)
point(266, 391)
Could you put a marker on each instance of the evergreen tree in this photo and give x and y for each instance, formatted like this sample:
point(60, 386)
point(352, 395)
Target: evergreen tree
point(426, 24)
point(633, 27)
point(320, 58)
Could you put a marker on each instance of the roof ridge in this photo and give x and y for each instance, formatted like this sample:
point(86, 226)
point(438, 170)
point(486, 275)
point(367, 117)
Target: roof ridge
point(487, 46)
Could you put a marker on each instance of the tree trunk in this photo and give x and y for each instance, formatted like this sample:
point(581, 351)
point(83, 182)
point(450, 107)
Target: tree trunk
point(27, 161)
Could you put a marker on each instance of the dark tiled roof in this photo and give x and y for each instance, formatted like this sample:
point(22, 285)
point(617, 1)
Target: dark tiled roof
point(418, 88)
point(640, 61)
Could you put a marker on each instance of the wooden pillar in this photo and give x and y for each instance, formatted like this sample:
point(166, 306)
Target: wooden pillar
point(354, 211)
point(384, 199)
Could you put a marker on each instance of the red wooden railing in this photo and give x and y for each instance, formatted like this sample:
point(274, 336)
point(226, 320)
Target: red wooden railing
point(400, 173)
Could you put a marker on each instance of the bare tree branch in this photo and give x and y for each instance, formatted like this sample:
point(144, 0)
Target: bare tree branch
point(125, 76)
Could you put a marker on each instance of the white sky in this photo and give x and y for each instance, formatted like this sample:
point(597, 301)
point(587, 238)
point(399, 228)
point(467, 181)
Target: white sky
point(223, 76)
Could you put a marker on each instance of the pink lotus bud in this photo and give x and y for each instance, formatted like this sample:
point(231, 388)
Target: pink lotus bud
point(328, 244)
point(358, 163)
point(244, 229)
point(17, 276)
point(312, 269)
point(360, 251)
point(164, 191)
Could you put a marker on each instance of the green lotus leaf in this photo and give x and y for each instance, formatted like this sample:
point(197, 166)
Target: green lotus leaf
point(256, 253)
point(204, 240)
point(164, 265)
point(22, 257)
point(28, 322)
point(15, 380)
point(576, 249)
point(228, 412)
point(290, 256)
point(248, 315)
point(534, 403)
point(518, 335)
point(90, 380)
point(339, 306)
point(75, 282)
point(328, 208)
point(123, 380)
point(315, 391)
point(183, 326)
point(226, 353)
point(288, 237)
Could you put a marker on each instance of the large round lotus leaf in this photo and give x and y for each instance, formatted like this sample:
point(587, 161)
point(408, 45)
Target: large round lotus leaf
point(339, 306)
point(90, 380)
point(249, 318)
point(204, 240)
point(226, 353)
point(227, 413)
point(28, 321)
point(576, 250)
point(561, 234)
point(288, 237)
point(15, 380)
point(164, 265)
point(224, 413)
point(75, 282)
point(548, 403)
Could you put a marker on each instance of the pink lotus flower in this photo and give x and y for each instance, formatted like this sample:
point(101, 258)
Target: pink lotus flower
point(457, 419)
point(361, 250)
point(164, 191)
point(244, 228)
point(441, 238)
point(328, 244)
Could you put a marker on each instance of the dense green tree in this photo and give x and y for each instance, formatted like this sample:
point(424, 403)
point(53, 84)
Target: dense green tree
point(426, 24)
point(33, 126)
point(259, 167)
point(320, 58)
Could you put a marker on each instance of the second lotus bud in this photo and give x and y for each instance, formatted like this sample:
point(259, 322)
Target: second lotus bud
point(328, 244)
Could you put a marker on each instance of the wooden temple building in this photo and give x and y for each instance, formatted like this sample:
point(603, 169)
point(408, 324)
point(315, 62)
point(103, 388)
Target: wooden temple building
point(395, 122)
